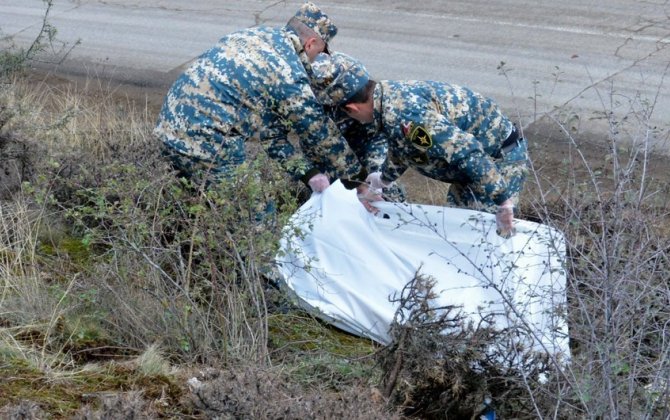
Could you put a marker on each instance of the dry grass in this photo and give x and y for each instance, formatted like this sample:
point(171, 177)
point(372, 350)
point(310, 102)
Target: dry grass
point(111, 272)
point(116, 277)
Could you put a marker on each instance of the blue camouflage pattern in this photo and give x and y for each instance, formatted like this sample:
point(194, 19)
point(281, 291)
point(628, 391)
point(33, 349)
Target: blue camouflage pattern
point(252, 85)
point(370, 148)
point(451, 134)
point(313, 17)
point(337, 77)
point(446, 132)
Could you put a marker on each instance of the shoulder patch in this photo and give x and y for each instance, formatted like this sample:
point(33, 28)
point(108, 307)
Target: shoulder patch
point(420, 137)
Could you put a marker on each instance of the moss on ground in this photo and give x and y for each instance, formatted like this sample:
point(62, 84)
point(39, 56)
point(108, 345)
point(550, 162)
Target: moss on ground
point(63, 393)
point(321, 355)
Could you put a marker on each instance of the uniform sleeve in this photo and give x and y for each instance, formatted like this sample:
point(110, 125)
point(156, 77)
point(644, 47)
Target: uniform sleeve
point(373, 151)
point(463, 151)
point(393, 167)
point(324, 148)
point(279, 148)
point(369, 145)
point(480, 169)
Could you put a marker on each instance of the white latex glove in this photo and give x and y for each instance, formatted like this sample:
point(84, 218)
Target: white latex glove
point(376, 183)
point(318, 182)
point(505, 219)
point(367, 195)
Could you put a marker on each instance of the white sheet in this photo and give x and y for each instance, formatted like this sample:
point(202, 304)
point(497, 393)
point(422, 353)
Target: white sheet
point(344, 265)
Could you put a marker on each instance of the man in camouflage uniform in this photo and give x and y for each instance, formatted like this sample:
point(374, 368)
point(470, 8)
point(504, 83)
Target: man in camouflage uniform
point(370, 148)
point(254, 84)
point(446, 132)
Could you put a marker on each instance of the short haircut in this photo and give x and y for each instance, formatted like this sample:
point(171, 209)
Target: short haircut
point(303, 31)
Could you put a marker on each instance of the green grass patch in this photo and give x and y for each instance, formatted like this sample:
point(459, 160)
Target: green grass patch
point(63, 393)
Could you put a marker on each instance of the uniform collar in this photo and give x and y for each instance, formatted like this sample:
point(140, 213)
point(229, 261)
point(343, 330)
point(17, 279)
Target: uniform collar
point(299, 49)
point(378, 105)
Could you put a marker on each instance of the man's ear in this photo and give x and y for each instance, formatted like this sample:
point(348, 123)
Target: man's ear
point(351, 107)
point(309, 43)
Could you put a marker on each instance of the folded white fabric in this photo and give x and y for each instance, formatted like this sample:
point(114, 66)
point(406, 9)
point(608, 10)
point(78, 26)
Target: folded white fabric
point(345, 266)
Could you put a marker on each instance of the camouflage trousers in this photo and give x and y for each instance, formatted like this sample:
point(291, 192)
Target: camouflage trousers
point(220, 164)
point(513, 166)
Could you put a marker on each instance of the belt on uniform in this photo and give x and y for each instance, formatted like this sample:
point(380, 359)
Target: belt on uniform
point(506, 148)
point(512, 141)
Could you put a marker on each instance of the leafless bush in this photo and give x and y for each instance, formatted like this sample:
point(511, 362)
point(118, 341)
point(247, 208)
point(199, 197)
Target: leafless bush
point(441, 364)
point(118, 405)
point(18, 153)
point(24, 410)
point(262, 393)
point(45, 47)
point(160, 261)
point(613, 209)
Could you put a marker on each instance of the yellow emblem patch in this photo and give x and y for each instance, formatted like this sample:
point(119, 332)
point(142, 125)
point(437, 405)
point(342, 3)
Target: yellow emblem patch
point(420, 137)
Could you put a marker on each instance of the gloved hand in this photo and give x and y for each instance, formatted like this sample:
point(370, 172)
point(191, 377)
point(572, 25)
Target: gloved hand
point(505, 219)
point(376, 183)
point(318, 182)
point(367, 195)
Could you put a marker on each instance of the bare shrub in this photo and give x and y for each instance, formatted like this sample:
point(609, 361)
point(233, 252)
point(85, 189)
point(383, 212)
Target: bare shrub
point(45, 47)
point(154, 260)
point(440, 364)
point(18, 153)
point(613, 212)
point(16, 165)
point(174, 264)
point(118, 405)
point(24, 410)
point(263, 393)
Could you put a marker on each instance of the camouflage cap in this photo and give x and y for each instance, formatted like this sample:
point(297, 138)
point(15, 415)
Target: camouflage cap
point(319, 22)
point(337, 77)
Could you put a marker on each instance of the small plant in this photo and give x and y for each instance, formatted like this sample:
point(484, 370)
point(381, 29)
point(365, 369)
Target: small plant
point(14, 59)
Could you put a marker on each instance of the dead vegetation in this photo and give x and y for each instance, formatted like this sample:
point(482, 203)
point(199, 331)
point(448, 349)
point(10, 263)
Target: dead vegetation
point(126, 294)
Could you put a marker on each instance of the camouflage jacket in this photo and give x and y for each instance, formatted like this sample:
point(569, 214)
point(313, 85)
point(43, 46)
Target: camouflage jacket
point(254, 84)
point(445, 132)
point(370, 147)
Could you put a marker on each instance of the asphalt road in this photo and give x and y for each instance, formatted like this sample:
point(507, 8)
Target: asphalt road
point(561, 58)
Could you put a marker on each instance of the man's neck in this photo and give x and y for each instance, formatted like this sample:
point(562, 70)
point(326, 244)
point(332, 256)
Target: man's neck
point(299, 49)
